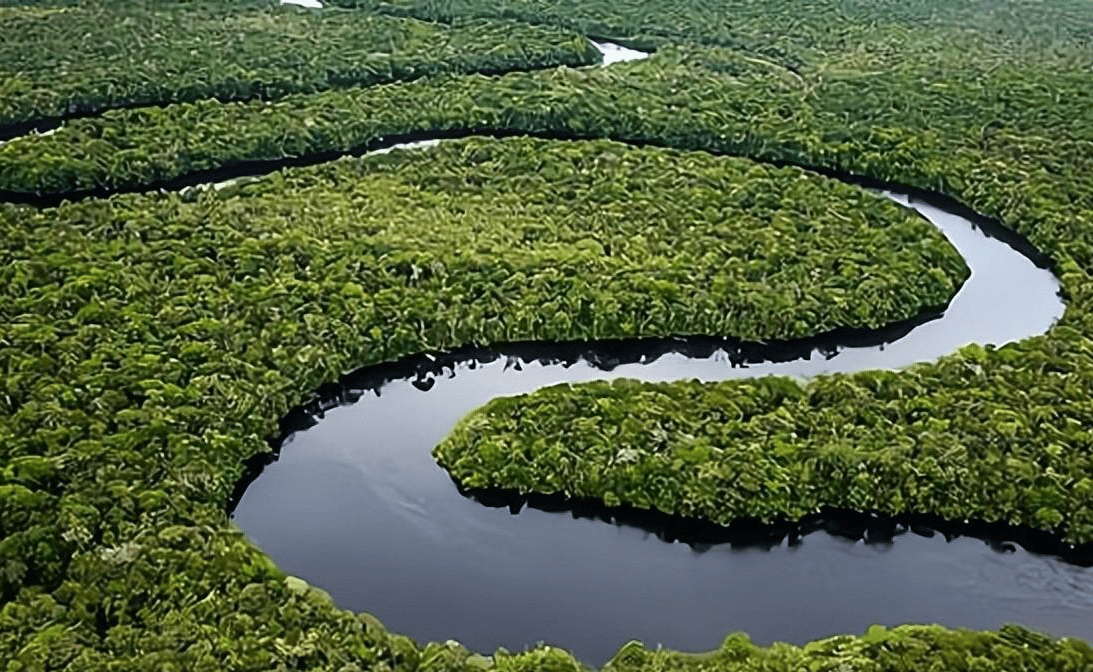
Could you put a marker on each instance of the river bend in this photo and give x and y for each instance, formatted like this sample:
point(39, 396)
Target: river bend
point(356, 505)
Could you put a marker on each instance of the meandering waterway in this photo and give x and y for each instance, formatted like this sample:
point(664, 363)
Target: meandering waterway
point(356, 505)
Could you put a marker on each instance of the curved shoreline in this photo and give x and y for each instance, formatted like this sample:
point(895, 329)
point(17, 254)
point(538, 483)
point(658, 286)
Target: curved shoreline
point(302, 512)
point(119, 463)
point(608, 354)
point(426, 368)
point(869, 527)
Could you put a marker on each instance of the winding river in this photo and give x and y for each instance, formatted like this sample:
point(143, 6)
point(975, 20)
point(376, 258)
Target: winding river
point(355, 504)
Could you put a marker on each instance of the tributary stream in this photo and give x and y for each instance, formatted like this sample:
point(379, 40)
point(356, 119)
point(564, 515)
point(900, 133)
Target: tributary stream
point(357, 506)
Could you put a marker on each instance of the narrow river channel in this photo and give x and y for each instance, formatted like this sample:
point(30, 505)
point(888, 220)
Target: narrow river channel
point(355, 505)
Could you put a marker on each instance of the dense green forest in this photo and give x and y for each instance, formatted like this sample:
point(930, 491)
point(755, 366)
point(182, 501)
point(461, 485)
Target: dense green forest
point(150, 341)
point(58, 62)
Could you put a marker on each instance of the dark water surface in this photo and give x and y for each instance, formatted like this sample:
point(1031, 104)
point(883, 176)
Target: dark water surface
point(355, 505)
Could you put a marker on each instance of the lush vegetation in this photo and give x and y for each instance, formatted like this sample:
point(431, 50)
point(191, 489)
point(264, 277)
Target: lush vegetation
point(677, 103)
point(1014, 420)
point(773, 450)
point(60, 61)
point(793, 34)
point(904, 648)
point(173, 313)
point(149, 344)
